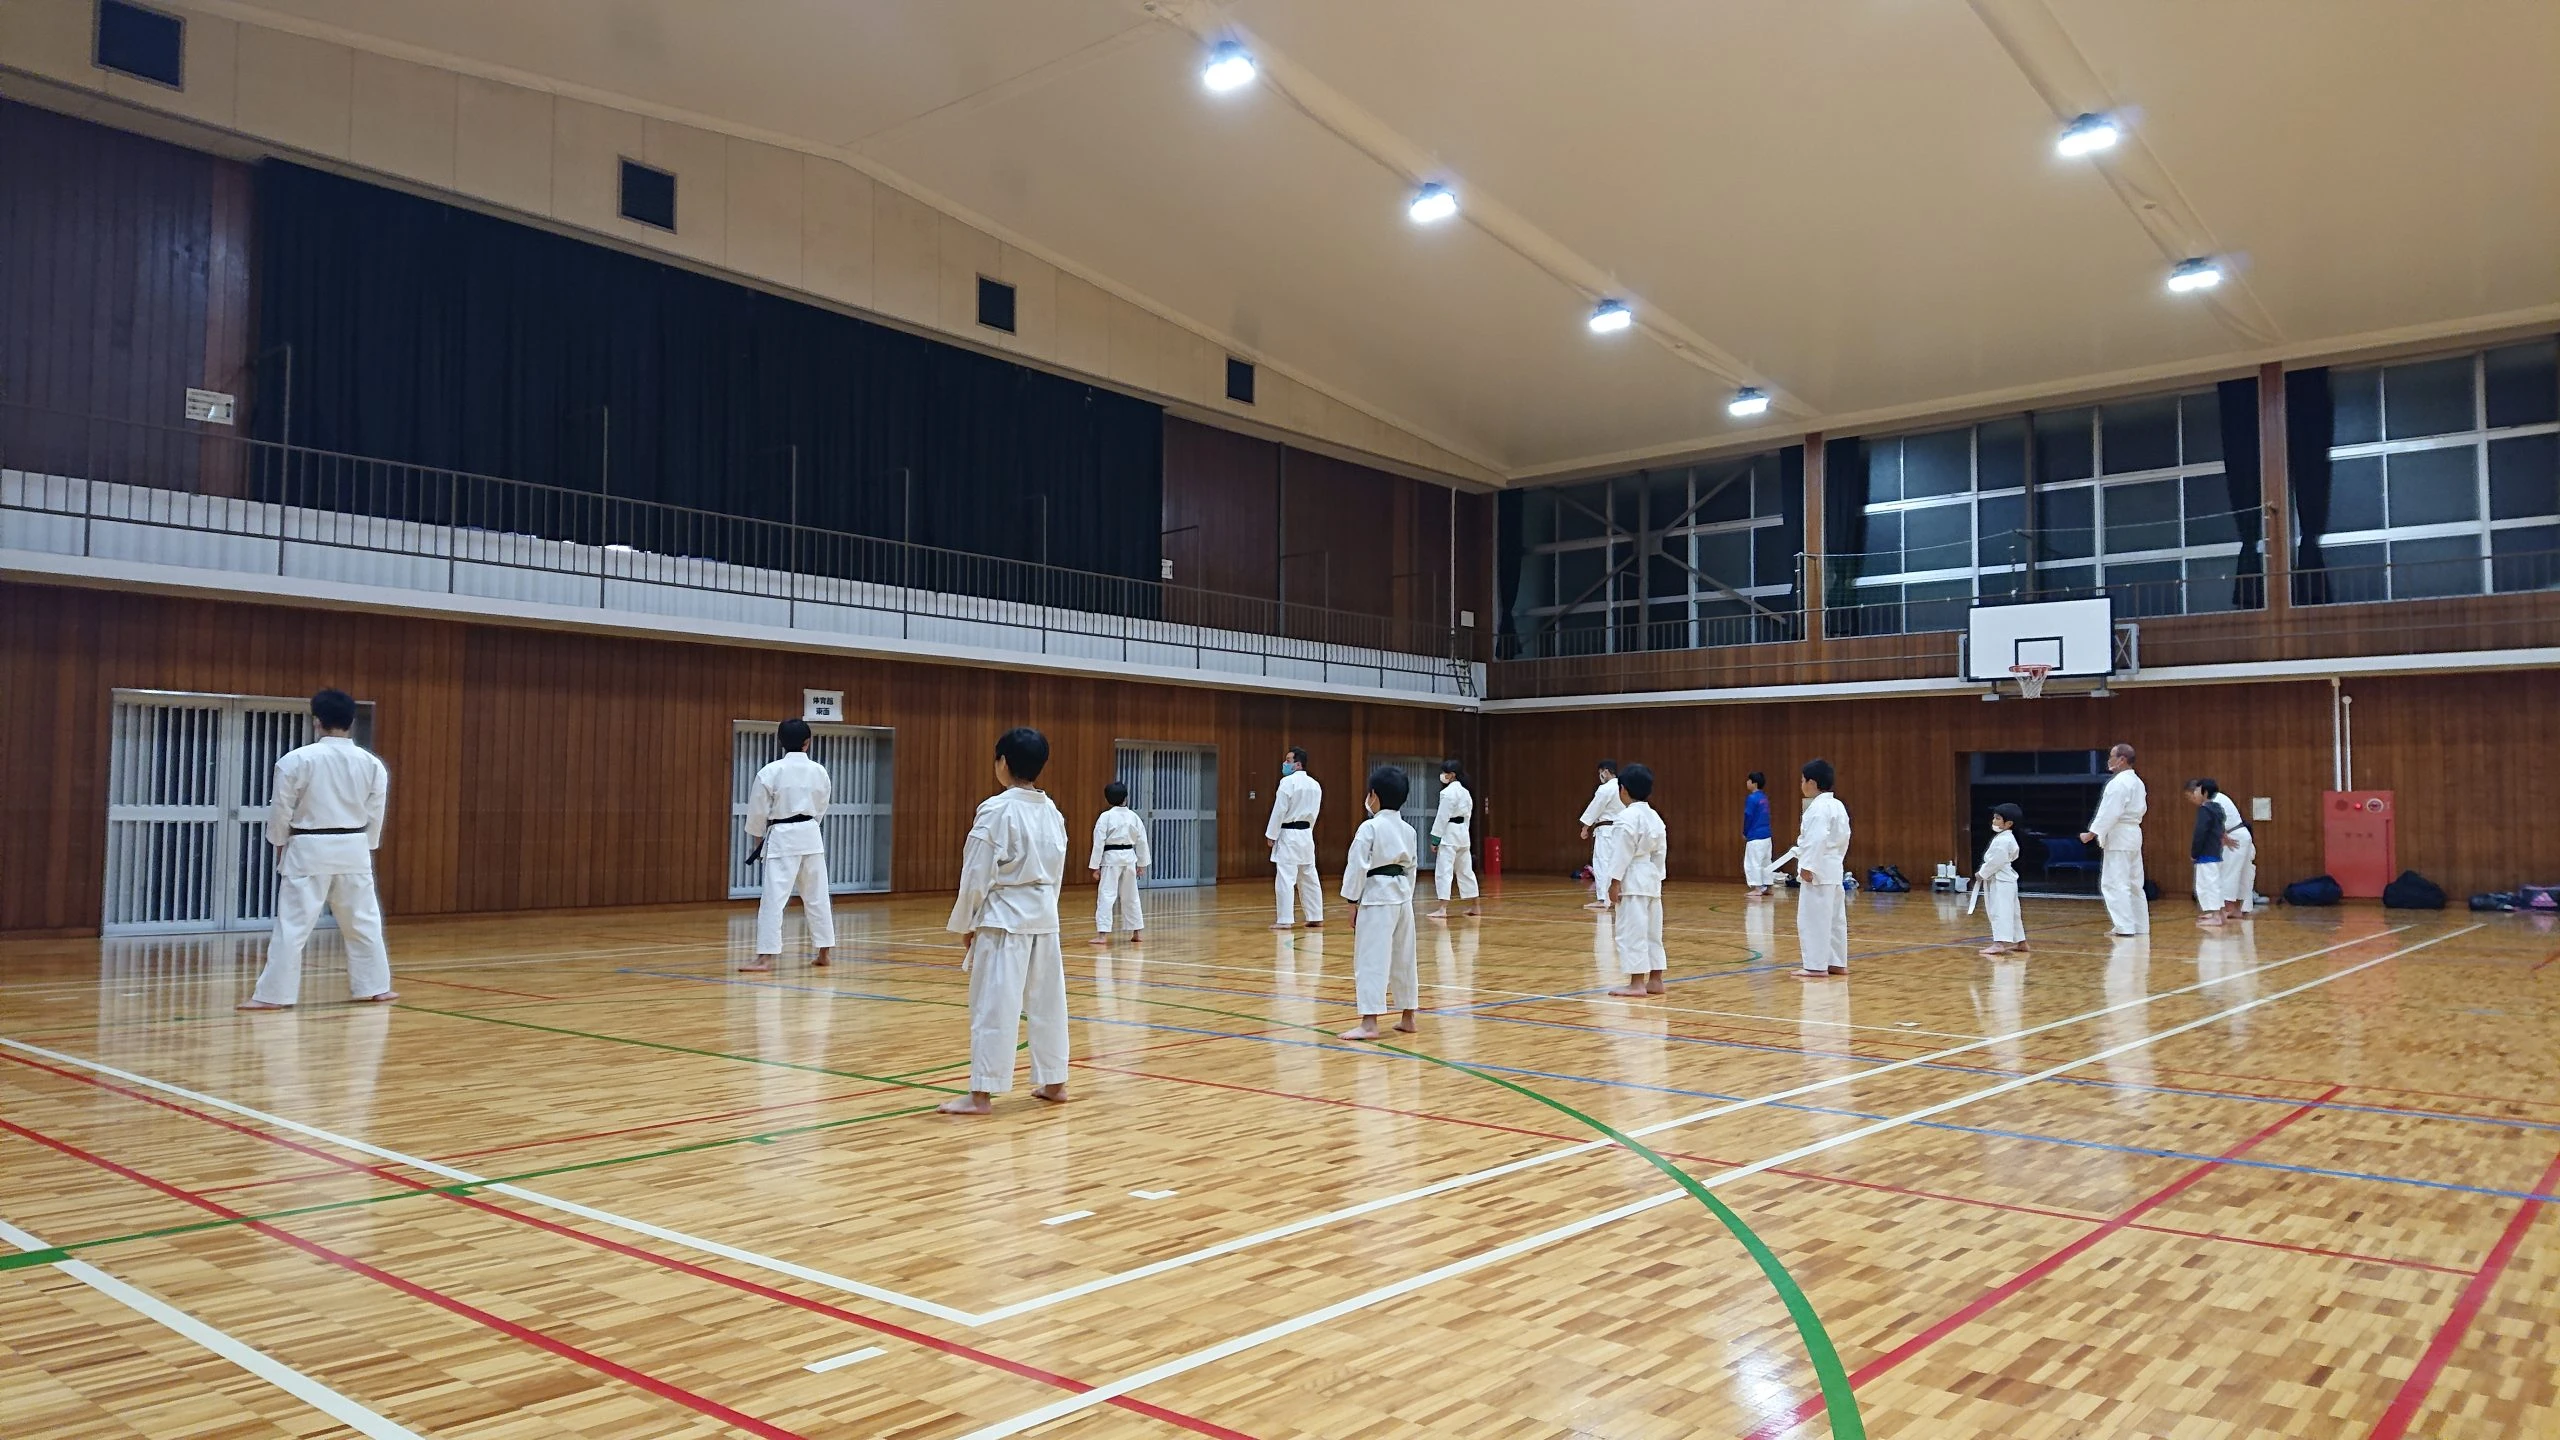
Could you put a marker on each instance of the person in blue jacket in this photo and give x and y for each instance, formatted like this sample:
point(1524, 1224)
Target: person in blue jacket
point(1756, 870)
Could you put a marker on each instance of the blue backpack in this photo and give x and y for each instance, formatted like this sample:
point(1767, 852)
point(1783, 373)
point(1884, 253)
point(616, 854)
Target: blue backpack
point(1886, 880)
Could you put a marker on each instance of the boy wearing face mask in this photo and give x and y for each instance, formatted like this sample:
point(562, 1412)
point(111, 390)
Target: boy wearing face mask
point(1377, 879)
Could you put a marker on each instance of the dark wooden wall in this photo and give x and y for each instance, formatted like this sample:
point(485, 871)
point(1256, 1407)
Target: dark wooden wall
point(124, 280)
point(1356, 539)
point(2478, 793)
point(535, 769)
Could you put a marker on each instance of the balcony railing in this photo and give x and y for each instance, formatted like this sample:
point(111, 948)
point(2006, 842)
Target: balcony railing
point(122, 489)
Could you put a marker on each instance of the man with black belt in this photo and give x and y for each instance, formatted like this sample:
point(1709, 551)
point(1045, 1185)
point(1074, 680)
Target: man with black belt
point(1294, 807)
point(325, 822)
point(784, 807)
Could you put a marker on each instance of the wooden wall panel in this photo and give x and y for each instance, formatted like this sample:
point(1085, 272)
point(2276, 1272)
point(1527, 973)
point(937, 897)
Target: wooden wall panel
point(2478, 797)
point(534, 769)
point(123, 281)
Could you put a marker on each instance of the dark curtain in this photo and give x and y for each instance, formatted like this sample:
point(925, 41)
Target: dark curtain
point(2238, 402)
point(1508, 544)
point(1791, 512)
point(2307, 424)
point(1844, 521)
point(440, 337)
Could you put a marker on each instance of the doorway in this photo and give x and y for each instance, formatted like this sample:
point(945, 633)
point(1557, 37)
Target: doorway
point(1174, 788)
point(856, 825)
point(2058, 790)
point(1421, 799)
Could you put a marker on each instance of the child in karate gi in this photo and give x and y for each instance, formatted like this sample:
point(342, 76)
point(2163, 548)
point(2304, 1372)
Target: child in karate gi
point(1999, 881)
point(1120, 856)
point(1377, 878)
point(1635, 885)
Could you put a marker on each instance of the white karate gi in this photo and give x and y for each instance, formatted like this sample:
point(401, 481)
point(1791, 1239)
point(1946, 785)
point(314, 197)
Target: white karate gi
point(795, 855)
point(1999, 880)
point(1822, 909)
point(1454, 868)
point(1643, 847)
point(1010, 870)
point(2239, 862)
point(1294, 807)
point(1755, 864)
point(1602, 816)
point(1383, 972)
point(2118, 827)
point(1119, 852)
point(330, 784)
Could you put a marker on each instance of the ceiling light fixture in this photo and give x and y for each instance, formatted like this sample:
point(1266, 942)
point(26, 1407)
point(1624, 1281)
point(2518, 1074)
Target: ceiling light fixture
point(1747, 402)
point(1611, 317)
point(1229, 67)
point(1433, 202)
point(2196, 274)
point(2088, 135)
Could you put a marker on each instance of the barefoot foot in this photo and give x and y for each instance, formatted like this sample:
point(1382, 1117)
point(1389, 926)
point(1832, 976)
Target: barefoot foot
point(259, 1005)
point(1137, 937)
point(760, 965)
point(385, 998)
point(1408, 1027)
point(1101, 940)
point(1362, 1031)
point(1655, 987)
point(1054, 1094)
point(823, 959)
point(1629, 992)
point(974, 1103)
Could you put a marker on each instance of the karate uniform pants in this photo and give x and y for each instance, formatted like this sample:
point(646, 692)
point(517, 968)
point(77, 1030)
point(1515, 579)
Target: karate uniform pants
point(1822, 926)
point(1298, 882)
point(782, 875)
point(2000, 897)
point(2120, 885)
point(350, 897)
point(1454, 869)
point(2209, 885)
point(2240, 873)
point(1604, 858)
point(1755, 863)
point(1010, 977)
point(1119, 890)
point(1383, 974)
point(1638, 923)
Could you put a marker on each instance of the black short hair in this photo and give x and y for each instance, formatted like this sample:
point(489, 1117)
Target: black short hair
point(1299, 754)
point(1821, 774)
point(1115, 793)
point(1609, 765)
point(1637, 781)
point(794, 734)
point(2210, 786)
point(334, 709)
point(2010, 813)
point(1454, 770)
point(1758, 780)
point(1391, 786)
point(1024, 751)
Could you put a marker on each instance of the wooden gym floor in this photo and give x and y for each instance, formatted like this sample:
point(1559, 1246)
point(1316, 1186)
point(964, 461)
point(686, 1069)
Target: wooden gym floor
point(587, 1180)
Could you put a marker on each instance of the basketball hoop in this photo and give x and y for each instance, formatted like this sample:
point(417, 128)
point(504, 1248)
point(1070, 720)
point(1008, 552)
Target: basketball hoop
point(2030, 679)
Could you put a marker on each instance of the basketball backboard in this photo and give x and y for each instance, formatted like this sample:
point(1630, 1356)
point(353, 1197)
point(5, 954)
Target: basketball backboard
point(2076, 638)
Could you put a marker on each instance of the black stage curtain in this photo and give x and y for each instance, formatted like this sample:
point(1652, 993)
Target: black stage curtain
point(441, 337)
point(2308, 418)
point(2237, 400)
point(1844, 527)
point(1791, 509)
point(1509, 541)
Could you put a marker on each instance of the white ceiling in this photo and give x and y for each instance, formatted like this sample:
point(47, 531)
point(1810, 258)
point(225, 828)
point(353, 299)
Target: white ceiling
point(1853, 202)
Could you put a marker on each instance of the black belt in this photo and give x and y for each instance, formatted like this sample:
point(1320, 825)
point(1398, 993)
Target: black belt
point(338, 830)
point(1297, 824)
point(1386, 870)
point(1119, 847)
point(1602, 824)
point(757, 854)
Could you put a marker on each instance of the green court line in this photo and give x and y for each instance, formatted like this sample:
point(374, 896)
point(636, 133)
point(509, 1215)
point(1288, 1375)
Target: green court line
point(705, 1054)
point(53, 1254)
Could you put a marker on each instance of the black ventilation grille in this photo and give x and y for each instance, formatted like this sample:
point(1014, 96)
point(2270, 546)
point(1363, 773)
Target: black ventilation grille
point(142, 43)
point(648, 196)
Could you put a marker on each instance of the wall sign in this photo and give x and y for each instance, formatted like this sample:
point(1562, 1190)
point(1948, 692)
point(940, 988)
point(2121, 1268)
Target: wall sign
point(822, 707)
point(211, 406)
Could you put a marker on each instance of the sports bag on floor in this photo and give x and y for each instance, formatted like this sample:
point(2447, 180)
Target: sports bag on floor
point(2413, 891)
point(2318, 890)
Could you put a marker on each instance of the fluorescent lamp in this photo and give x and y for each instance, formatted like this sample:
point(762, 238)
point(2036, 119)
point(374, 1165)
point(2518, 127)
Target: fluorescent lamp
point(1433, 202)
point(2197, 274)
point(1610, 317)
point(1748, 402)
point(2088, 135)
point(1229, 67)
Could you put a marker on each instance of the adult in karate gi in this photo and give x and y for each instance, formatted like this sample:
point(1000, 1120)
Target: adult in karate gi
point(2239, 858)
point(1120, 856)
point(1454, 867)
point(1643, 848)
point(1821, 855)
point(325, 822)
point(1599, 826)
point(2117, 832)
point(1010, 870)
point(1758, 875)
point(1377, 878)
point(1294, 807)
point(784, 806)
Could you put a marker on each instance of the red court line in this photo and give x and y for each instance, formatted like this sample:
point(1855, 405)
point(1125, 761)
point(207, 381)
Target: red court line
point(1812, 1405)
point(1816, 1176)
point(2466, 1308)
point(2545, 960)
point(415, 979)
point(502, 1325)
point(885, 1327)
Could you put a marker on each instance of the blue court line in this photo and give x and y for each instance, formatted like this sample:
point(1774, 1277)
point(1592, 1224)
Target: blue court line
point(2023, 1135)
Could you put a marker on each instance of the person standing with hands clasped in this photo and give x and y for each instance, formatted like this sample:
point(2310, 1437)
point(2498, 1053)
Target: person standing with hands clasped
point(1377, 878)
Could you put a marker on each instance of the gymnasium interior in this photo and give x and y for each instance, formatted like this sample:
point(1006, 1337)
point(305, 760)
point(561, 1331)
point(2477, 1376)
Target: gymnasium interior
point(1992, 399)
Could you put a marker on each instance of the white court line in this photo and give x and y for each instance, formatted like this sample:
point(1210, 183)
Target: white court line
point(850, 1357)
point(1208, 1252)
point(257, 1362)
point(1112, 1390)
point(1153, 1194)
point(1070, 1215)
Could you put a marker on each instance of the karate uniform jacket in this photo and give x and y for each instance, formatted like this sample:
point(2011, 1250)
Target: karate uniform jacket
point(1011, 866)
